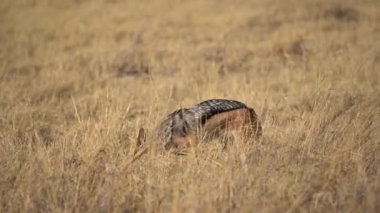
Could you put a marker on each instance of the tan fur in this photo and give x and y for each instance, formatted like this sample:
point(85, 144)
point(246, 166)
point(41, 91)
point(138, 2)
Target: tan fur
point(236, 120)
point(239, 123)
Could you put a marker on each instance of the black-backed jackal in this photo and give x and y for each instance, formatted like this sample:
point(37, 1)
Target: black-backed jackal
point(219, 118)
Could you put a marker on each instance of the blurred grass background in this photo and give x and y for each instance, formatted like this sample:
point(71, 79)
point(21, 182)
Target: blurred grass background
point(79, 77)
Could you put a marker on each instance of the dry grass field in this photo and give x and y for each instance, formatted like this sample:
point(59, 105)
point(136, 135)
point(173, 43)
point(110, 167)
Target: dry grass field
point(78, 78)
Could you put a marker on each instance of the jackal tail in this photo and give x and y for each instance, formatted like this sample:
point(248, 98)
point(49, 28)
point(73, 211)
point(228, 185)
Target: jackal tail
point(141, 147)
point(140, 141)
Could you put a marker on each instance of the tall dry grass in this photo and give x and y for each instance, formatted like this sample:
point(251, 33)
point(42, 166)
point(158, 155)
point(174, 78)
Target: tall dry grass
point(78, 78)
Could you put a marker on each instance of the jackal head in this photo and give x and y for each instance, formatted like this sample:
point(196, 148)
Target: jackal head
point(179, 128)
